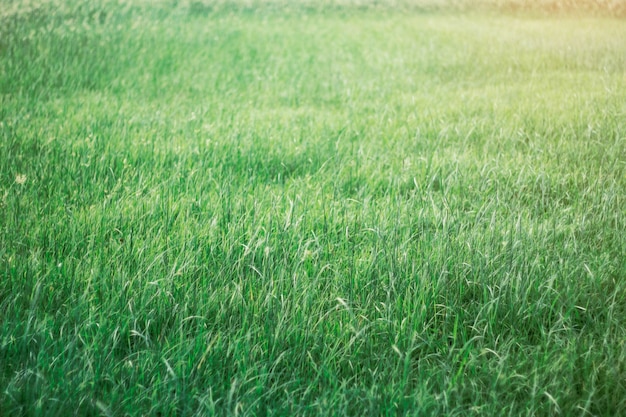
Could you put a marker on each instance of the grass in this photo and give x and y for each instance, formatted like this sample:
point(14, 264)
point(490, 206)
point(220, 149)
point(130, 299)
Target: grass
point(270, 210)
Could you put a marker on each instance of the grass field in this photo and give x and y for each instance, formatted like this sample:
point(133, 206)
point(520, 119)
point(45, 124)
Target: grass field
point(264, 209)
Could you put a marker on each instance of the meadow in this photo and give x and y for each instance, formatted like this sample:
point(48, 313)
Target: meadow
point(334, 208)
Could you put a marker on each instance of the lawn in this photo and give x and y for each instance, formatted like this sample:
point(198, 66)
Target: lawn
point(256, 208)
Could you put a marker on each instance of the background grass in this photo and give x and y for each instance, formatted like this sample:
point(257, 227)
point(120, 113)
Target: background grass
point(273, 209)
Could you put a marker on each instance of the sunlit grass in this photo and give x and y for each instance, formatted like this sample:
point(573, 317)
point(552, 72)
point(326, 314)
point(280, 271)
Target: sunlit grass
point(381, 210)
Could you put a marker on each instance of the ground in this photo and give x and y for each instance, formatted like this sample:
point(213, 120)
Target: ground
point(292, 209)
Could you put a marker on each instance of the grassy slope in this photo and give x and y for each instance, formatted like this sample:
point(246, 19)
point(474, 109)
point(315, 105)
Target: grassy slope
point(322, 212)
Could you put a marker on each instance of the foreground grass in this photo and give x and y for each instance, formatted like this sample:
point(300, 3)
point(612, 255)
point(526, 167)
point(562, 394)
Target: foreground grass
point(311, 212)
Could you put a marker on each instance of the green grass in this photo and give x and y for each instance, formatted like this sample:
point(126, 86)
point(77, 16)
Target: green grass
point(303, 210)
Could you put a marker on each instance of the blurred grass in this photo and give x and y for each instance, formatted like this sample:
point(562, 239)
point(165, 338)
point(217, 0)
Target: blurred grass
point(254, 208)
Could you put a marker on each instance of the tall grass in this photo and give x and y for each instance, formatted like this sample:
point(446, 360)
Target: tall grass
point(266, 210)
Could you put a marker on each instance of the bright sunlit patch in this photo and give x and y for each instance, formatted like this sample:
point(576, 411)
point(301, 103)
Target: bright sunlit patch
point(20, 179)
